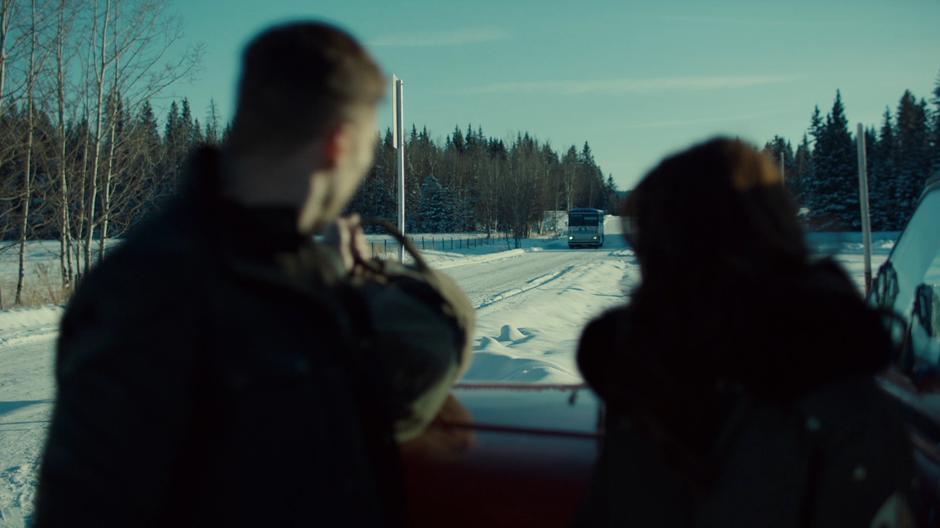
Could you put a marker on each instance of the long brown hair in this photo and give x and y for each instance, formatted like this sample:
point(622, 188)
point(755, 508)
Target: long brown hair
point(714, 213)
point(728, 301)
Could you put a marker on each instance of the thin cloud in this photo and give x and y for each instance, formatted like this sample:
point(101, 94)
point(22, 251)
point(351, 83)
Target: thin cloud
point(702, 120)
point(634, 86)
point(754, 22)
point(433, 39)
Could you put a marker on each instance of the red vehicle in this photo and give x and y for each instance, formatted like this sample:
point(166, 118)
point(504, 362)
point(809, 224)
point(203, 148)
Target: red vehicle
point(522, 455)
point(505, 455)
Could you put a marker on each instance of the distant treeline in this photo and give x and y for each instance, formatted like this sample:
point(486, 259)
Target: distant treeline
point(100, 184)
point(81, 156)
point(140, 164)
point(902, 153)
point(472, 182)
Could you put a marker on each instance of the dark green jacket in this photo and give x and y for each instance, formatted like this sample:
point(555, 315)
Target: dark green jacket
point(762, 412)
point(218, 369)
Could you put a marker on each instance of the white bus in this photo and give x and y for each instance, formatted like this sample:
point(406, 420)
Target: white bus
point(585, 227)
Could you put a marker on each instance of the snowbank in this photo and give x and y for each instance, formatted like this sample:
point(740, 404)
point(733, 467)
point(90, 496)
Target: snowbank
point(27, 340)
point(22, 326)
point(442, 260)
point(531, 334)
point(12, 321)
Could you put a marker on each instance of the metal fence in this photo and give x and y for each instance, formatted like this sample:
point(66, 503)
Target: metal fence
point(386, 248)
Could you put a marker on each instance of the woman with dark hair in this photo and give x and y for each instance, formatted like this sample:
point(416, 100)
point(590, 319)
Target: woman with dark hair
point(739, 380)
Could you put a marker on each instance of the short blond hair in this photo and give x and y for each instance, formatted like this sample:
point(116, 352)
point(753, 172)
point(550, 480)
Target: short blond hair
point(297, 81)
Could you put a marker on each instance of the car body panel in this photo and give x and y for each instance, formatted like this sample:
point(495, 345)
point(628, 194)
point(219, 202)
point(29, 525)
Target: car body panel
point(914, 380)
point(528, 461)
point(914, 255)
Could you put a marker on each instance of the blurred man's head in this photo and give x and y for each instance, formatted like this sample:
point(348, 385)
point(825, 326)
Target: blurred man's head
point(305, 120)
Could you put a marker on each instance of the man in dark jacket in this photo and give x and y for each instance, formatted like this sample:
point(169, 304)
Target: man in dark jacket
point(217, 368)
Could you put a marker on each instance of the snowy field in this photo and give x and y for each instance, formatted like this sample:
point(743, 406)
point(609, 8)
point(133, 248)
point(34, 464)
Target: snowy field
point(531, 304)
point(42, 278)
point(41, 270)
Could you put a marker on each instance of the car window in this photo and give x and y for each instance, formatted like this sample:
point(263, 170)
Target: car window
point(916, 257)
point(933, 271)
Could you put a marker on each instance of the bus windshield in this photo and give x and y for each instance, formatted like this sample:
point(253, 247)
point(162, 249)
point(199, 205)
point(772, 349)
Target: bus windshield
point(582, 220)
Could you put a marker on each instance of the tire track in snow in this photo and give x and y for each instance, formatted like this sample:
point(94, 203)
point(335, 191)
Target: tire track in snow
point(531, 284)
point(484, 282)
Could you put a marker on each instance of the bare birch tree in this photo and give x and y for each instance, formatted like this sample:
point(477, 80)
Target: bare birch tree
point(26, 196)
point(65, 155)
point(6, 17)
point(65, 16)
point(142, 36)
point(102, 61)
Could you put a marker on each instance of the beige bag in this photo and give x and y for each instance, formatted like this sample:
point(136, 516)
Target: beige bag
point(419, 315)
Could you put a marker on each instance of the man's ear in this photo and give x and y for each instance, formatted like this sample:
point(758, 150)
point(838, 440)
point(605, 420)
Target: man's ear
point(335, 146)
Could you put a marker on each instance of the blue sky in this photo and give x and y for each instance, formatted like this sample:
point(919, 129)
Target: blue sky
point(635, 79)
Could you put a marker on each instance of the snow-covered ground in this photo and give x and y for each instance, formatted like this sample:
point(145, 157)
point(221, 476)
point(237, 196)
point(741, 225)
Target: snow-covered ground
point(531, 304)
point(527, 330)
point(42, 278)
point(26, 392)
point(42, 275)
point(848, 250)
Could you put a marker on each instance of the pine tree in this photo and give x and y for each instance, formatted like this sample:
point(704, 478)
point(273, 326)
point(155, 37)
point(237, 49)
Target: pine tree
point(143, 166)
point(569, 169)
point(812, 199)
point(450, 205)
point(172, 121)
point(591, 180)
point(186, 121)
point(212, 136)
point(470, 138)
point(432, 215)
point(378, 202)
point(935, 129)
point(196, 137)
point(147, 121)
point(844, 167)
point(375, 198)
point(801, 175)
point(882, 167)
point(913, 154)
point(176, 143)
point(871, 144)
point(612, 201)
point(834, 191)
point(457, 140)
point(779, 147)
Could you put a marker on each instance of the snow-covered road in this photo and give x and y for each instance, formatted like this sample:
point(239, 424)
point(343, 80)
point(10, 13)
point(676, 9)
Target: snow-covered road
point(544, 295)
point(27, 340)
point(531, 308)
point(531, 305)
point(486, 281)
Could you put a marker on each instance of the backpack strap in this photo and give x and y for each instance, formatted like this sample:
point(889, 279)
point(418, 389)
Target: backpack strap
point(811, 431)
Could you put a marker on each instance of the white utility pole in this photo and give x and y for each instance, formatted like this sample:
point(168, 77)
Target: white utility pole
point(398, 110)
point(863, 202)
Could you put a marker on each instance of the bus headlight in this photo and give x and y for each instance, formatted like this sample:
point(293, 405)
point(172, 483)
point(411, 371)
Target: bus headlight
point(595, 238)
point(570, 237)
